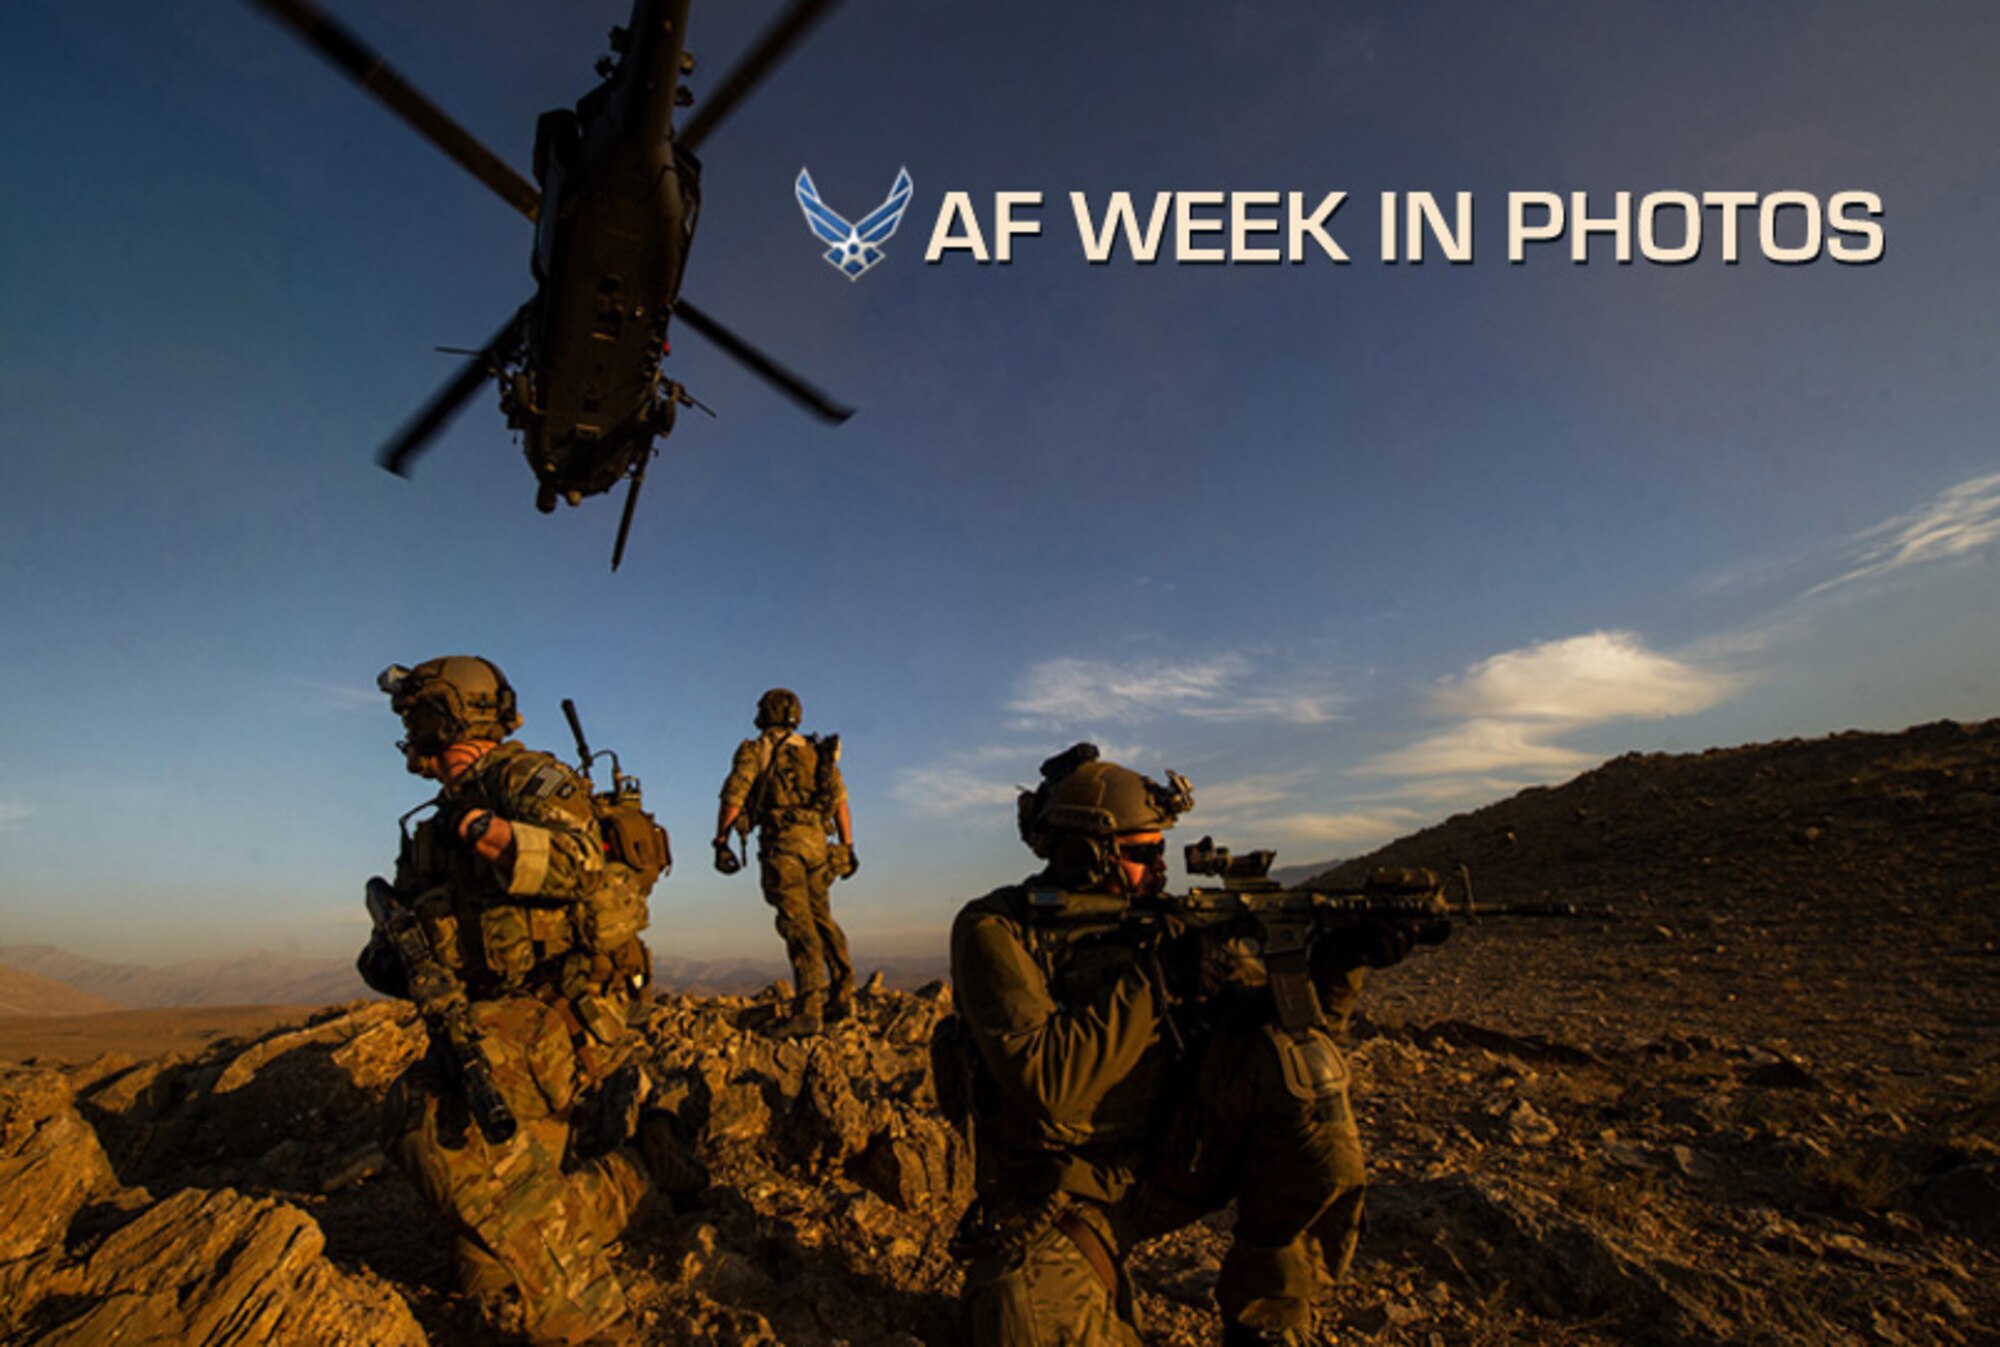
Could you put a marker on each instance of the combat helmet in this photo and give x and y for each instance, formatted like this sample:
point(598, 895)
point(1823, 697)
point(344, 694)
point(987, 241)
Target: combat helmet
point(779, 707)
point(1073, 819)
point(447, 700)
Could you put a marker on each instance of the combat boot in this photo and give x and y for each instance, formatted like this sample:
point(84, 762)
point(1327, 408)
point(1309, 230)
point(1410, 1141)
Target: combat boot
point(803, 1022)
point(670, 1159)
point(840, 1003)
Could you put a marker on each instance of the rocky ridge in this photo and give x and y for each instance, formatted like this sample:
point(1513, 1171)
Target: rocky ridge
point(1761, 1105)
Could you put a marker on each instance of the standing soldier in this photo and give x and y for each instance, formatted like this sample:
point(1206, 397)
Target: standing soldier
point(1111, 1097)
point(518, 940)
point(787, 786)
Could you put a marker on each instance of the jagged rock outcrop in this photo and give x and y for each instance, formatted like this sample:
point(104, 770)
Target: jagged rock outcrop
point(1529, 1186)
point(216, 1268)
point(50, 1161)
point(86, 1260)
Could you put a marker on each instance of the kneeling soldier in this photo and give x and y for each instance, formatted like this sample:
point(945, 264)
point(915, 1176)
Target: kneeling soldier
point(1101, 1117)
point(490, 927)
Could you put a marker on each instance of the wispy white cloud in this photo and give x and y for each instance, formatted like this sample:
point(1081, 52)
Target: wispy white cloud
point(13, 811)
point(1223, 687)
point(344, 696)
point(1264, 811)
point(1956, 523)
point(1245, 793)
point(1289, 708)
point(939, 792)
point(1454, 790)
point(1354, 831)
point(1068, 691)
point(1513, 708)
point(985, 779)
point(1481, 746)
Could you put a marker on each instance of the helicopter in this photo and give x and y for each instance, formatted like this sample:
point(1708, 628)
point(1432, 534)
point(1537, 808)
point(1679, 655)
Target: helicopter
point(616, 195)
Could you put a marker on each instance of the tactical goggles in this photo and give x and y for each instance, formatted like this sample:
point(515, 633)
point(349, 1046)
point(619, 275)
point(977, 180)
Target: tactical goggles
point(428, 721)
point(1143, 853)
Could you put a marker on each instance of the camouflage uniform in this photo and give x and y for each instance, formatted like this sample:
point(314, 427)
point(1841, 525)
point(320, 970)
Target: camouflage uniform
point(793, 856)
point(530, 1217)
point(1090, 1129)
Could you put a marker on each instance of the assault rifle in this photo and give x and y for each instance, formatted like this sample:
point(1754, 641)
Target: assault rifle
point(441, 1000)
point(623, 787)
point(1280, 926)
point(1269, 931)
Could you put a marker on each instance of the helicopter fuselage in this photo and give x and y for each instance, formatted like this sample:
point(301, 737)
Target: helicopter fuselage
point(618, 208)
point(616, 192)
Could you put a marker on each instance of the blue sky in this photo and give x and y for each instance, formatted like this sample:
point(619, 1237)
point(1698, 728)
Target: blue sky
point(1354, 547)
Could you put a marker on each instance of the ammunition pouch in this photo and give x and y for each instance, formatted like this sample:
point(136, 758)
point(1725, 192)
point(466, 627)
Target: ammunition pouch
point(614, 911)
point(517, 1040)
point(507, 942)
point(634, 839)
point(779, 820)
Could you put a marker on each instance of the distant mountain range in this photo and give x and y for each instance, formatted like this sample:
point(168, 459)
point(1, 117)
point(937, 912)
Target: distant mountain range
point(1909, 813)
point(23, 993)
point(251, 978)
point(36, 976)
point(1292, 875)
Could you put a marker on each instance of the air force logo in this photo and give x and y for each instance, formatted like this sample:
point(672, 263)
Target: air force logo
point(855, 246)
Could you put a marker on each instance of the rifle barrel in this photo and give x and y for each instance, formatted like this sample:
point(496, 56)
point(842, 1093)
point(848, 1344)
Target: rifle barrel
point(576, 728)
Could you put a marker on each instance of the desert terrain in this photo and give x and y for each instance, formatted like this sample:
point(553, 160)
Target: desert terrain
point(1757, 1103)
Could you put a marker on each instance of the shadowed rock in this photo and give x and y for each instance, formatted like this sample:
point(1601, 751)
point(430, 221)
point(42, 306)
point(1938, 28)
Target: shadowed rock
point(218, 1268)
point(50, 1161)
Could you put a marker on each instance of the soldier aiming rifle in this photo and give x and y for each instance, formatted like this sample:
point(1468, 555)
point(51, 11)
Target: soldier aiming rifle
point(1256, 935)
point(1125, 1061)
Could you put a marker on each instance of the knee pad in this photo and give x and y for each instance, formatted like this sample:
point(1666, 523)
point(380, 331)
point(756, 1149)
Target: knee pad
point(1314, 1073)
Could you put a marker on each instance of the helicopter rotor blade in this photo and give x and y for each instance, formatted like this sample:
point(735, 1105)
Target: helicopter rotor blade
point(631, 503)
point(772, 46)
point(338, 44)
point(765, 368)
point(418, 431)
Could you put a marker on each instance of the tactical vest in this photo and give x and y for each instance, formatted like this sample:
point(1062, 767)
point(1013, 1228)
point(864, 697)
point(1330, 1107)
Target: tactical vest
point(495, 940)
point(786, 792)
point(1081, 947)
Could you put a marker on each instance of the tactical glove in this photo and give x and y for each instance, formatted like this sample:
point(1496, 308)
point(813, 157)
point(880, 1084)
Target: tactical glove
point(845, 863)
point(1202, 963)
point(726, 860)
point(1373, 943)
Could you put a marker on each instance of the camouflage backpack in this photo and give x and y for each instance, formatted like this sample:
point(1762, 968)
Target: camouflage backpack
point(638, 855)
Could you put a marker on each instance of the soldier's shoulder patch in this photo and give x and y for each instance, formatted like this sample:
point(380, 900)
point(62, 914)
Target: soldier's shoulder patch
point(550, 781)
